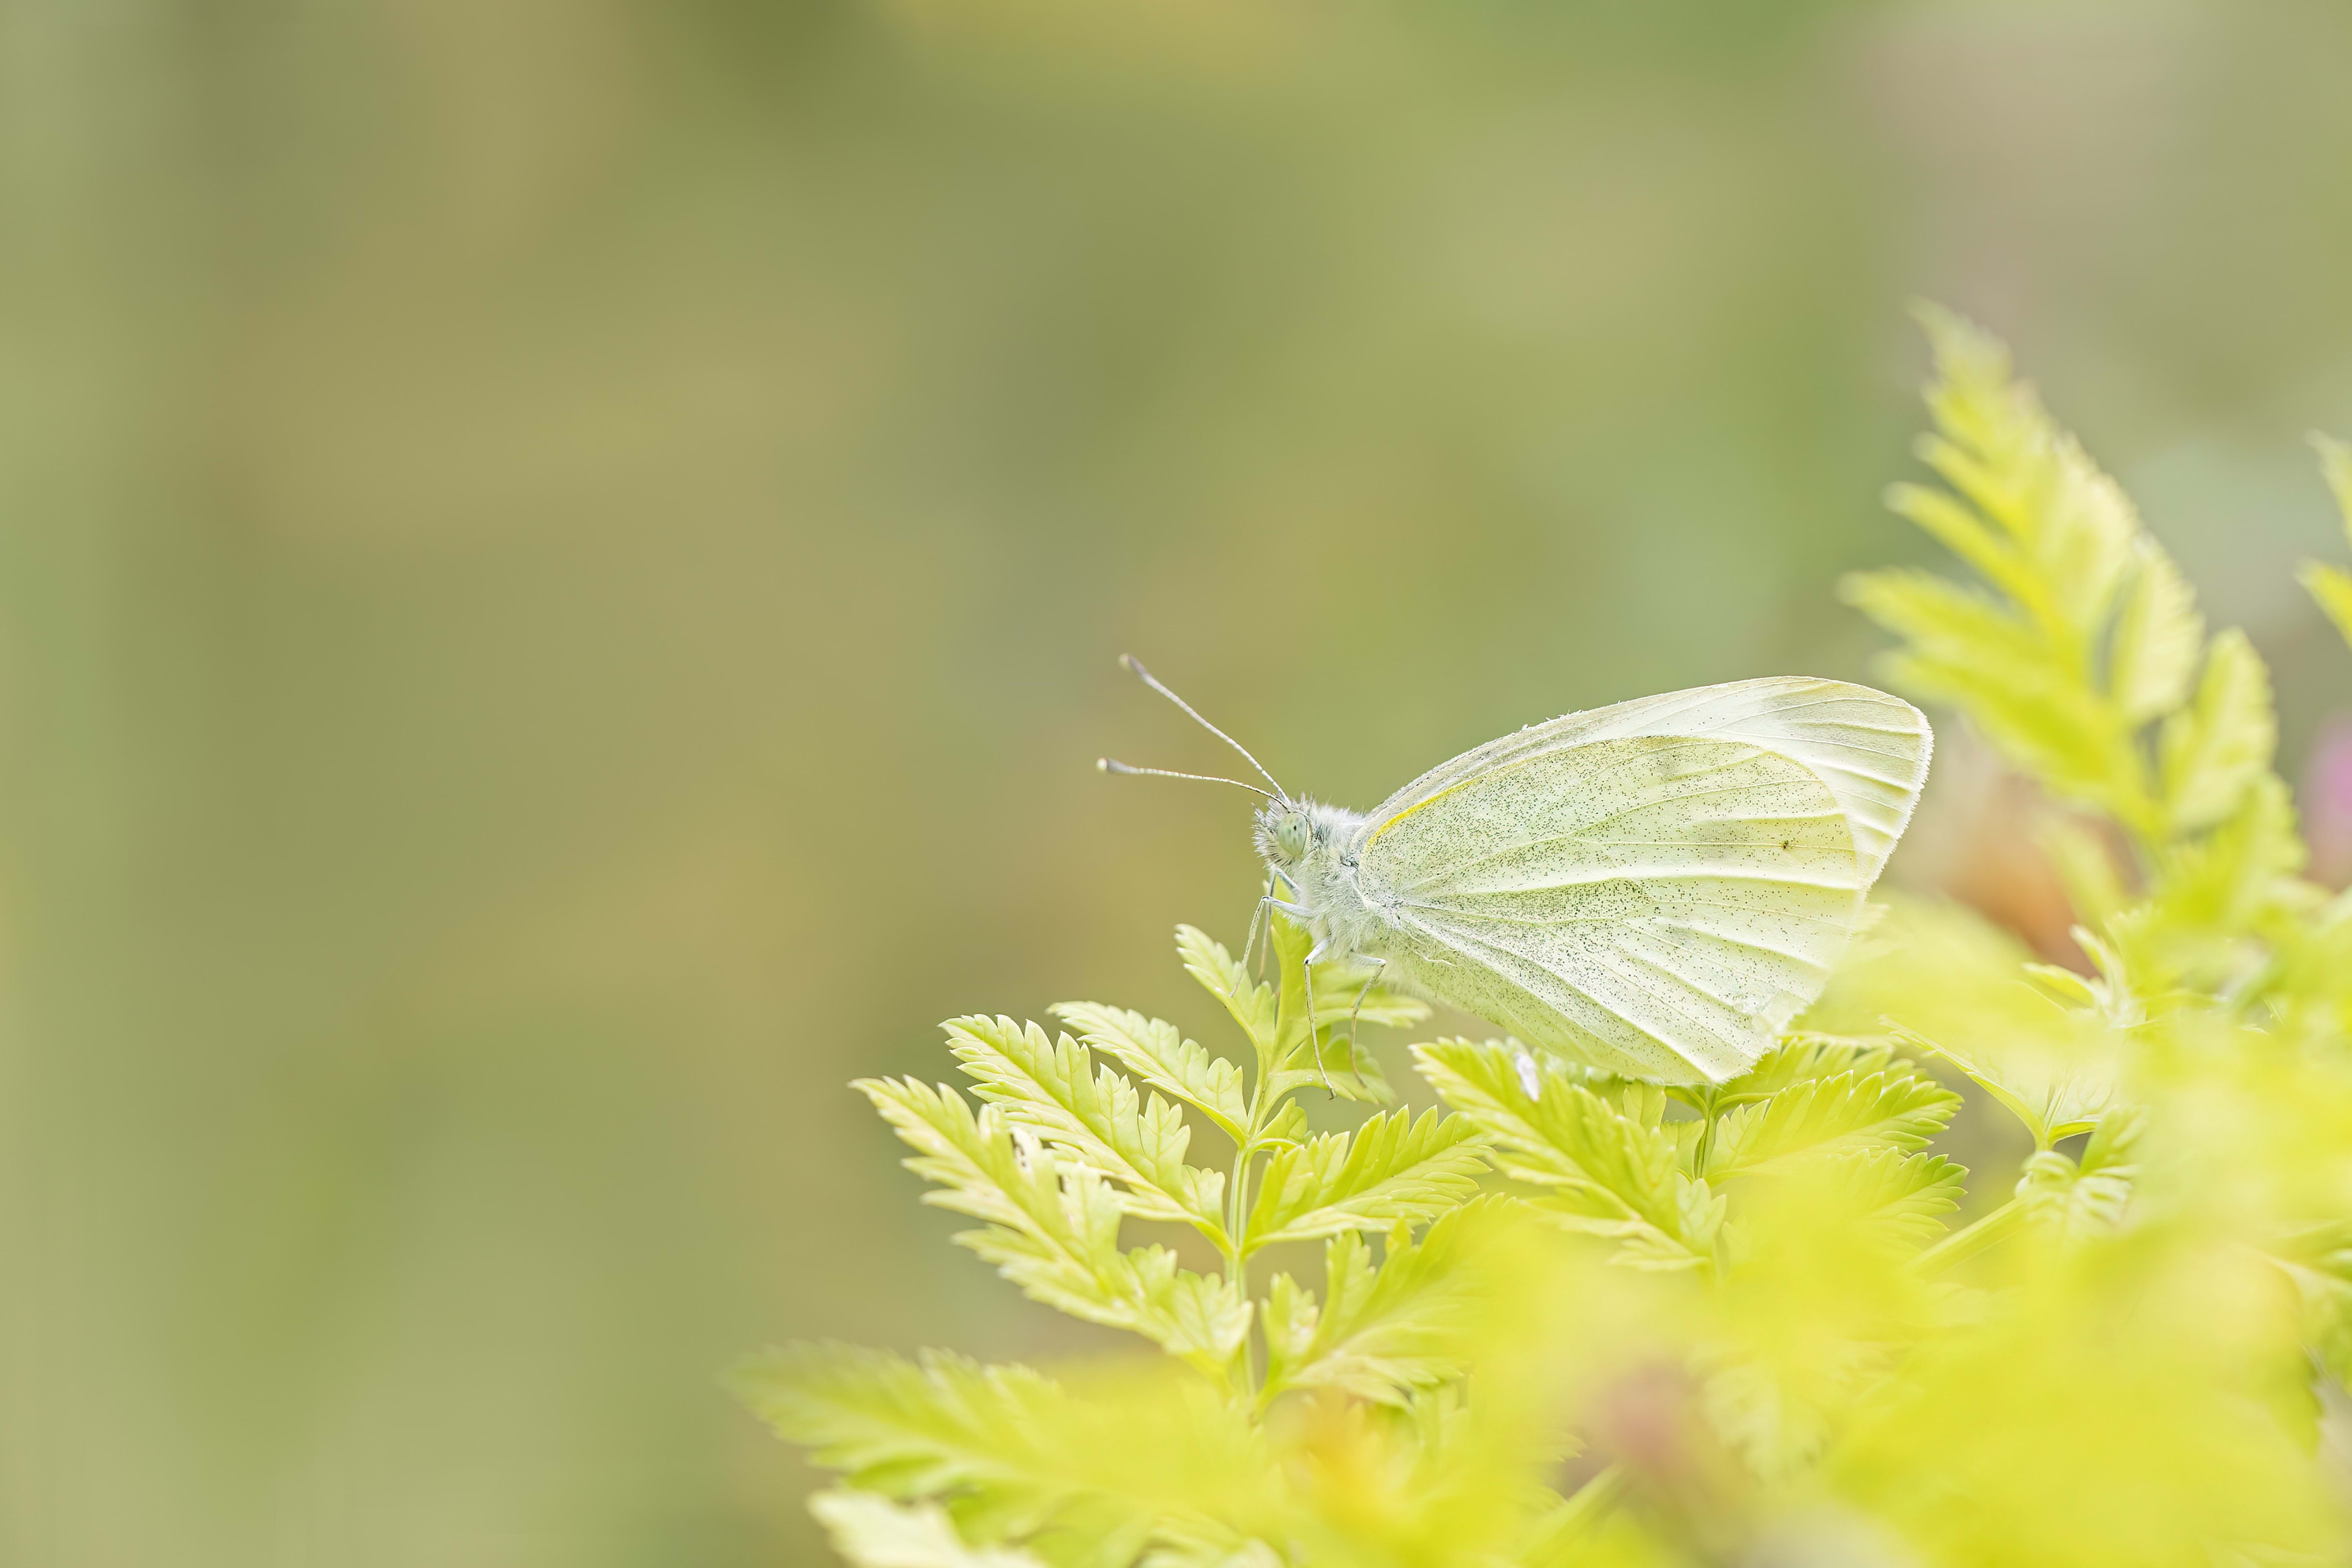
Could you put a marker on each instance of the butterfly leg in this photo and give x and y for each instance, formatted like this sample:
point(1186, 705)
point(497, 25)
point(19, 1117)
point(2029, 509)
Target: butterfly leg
point(1263, 913)
point(1275, 880)
point(1314, 1036)
point(1356, 1014)
point(1297, 912)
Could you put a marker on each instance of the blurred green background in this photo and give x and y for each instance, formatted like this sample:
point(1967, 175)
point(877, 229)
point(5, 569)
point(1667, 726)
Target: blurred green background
point(561, 562)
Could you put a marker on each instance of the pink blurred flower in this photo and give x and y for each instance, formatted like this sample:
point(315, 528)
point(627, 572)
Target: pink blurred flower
point(2328, 802)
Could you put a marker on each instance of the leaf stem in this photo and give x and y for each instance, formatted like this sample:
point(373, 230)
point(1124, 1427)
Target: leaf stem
point(1237, 1255)
point(1237, 1211)
point(1968, 1241)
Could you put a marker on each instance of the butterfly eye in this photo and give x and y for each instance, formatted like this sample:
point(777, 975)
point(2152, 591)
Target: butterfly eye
point(1290, 837)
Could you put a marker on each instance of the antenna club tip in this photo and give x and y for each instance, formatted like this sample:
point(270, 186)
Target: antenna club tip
point(1102, 764)
point(1128, 661)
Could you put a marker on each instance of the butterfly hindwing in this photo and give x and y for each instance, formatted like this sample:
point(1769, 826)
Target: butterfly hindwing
point(1657, 887)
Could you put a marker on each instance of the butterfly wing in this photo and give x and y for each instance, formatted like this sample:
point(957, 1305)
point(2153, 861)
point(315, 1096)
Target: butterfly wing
point(1657, 887)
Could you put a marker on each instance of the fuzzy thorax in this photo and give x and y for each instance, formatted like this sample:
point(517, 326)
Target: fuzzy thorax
point(1312, 848)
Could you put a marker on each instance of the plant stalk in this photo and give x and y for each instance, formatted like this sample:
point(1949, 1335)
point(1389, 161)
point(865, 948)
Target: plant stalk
point(1970, 1239)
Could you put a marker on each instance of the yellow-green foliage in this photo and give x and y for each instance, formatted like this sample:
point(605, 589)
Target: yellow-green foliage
point(2332, 585)
point(1572, 1319)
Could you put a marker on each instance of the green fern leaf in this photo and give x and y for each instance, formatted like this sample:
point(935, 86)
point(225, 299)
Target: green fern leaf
point(1349, 1069)
point(1610, 1165)
point(1564, 1534)
point(1959, 529)
point(1052, 1230)
point(1887, 1198)
point(2226, 881)
point(2037, 710)
point(2052, 1103)
point(872, 1531)
point(1997, 447)
point(2078, 1198)
point(2157, 635)
point(938, 1424)
point(2085, 858)
point(1390, 1169)
point(1253, 1005)
point(1896, 1110)
point(1287, 1125)
point(2332, 586)
point(2080, 584)
point(2214, 750)
point(1094, 1117)
point(1275, 1015)
point(2318, 1259)
point(1319, 1048)
point(1379, 1332)
point(1803, 1058)
point(1342, 998)
point(2336, 465)
point(1158, 1053)
point(1016, 1456)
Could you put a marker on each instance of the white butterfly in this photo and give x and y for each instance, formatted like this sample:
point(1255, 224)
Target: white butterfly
point(1656, 889)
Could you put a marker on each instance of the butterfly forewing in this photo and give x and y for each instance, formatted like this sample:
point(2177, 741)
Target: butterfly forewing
point(1869, 749)
point(1657, 887)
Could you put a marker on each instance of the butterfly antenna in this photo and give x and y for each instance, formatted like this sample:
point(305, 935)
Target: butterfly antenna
point(1129, 661)
point(1113, 765)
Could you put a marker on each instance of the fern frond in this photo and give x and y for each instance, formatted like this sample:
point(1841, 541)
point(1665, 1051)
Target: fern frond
point(2318, 1259)
point(1158, 1053)
point(1966, 650)
point(1338, 989)
point(1350, 1068)
point(1881, 1110)
point(2214, 749)
point(2332, 585)
point(1887, 1198)
point(1378, 1332)
point(2091, 634)
point(1315, 1052)
point(2238, 878)
point(872, 1531)
point(1562, 1535)
point(1053, 1229)
point(2072, 1199)
point(1609, 1164)
point(1096, 1119)
point(2156, 637)
point(1803, 1058)
point(1275, 1013)
point(1019, 1457)
point(1390, 1169)
point(1253, 1004)
point(2066, 528)
point(2052, 1102)
point(942, 1424)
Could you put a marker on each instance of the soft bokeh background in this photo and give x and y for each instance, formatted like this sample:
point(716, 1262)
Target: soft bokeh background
point(561, 560)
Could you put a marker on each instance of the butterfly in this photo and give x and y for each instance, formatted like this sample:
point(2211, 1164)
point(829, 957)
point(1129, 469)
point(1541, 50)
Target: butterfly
point(1655, 889)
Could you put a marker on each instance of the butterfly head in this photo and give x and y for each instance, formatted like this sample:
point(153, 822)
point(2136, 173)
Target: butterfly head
point(1284, 834)
point(1290, 832)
